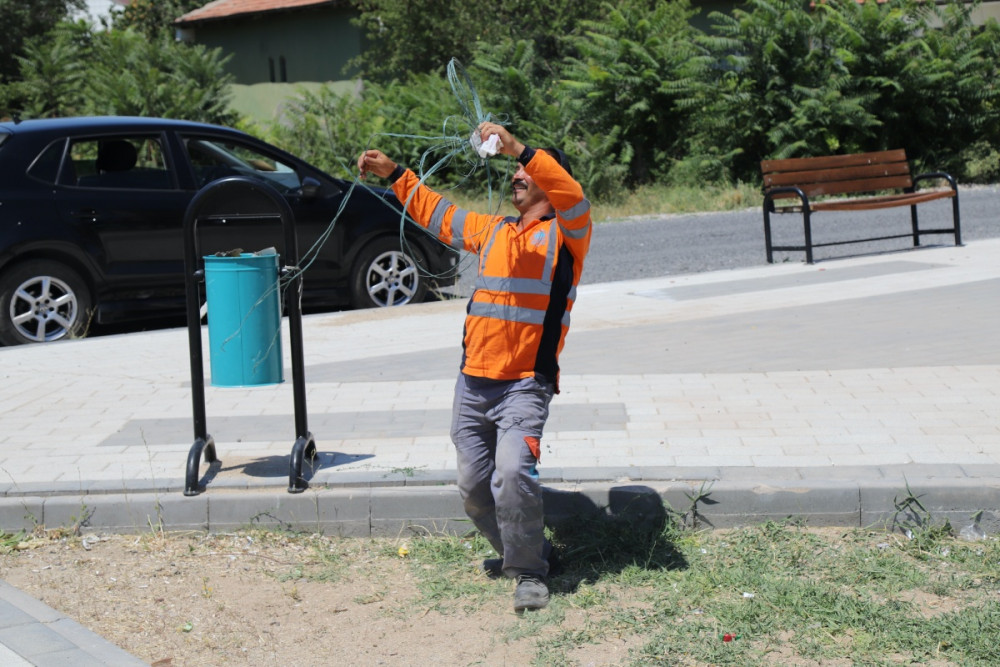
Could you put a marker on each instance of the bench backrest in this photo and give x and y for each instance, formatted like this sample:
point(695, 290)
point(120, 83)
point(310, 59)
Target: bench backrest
point(839, 174)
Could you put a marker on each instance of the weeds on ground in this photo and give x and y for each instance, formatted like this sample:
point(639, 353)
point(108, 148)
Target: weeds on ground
point(10, 541)
point(776, 593)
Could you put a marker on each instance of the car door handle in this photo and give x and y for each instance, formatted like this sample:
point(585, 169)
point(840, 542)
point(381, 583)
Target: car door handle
point(85, 214)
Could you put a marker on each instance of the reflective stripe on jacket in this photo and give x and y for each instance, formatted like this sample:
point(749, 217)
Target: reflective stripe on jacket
point(519, 313)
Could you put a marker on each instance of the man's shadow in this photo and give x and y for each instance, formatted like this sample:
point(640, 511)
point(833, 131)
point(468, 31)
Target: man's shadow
point(633, 530)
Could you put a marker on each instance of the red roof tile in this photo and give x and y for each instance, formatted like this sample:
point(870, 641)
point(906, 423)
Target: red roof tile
point(225, 8)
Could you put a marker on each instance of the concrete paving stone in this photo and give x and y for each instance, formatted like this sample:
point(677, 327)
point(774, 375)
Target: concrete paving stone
point(550, 474)
point(21, 513)
point(713, 460)
point(591, 473)
point(981, 470)
point(864, 441)
point(270, 508)
point(93, 510)
point(12, 615)
point(34, 641)
point(46, 488)
point(950, 470)
point(743, 473)
point(639, 452)
point(955, 501)
point(651, 460)
point(818, 503)
point(88, 649)
point(396, 515)
point(71, 643)
point(841, 473)
point(950, 457)
point(791, 460)
point(432, 477)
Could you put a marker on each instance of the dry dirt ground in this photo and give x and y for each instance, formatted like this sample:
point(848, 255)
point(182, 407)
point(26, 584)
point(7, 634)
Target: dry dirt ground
point(259, 598)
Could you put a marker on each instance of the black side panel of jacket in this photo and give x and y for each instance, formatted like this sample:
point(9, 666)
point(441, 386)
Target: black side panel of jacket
point(546, 363)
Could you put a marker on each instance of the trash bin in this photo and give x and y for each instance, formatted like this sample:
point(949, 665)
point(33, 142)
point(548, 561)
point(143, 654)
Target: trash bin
point(244, 319)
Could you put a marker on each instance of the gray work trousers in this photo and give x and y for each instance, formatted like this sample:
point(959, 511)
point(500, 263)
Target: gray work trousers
point(494, 425)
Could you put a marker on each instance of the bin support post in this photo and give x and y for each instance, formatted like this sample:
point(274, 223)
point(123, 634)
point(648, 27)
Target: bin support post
point(305, 445)
point(203, 442)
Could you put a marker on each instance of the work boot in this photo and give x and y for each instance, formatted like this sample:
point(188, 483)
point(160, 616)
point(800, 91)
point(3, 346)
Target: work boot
point(531, 593)
point(493, 567)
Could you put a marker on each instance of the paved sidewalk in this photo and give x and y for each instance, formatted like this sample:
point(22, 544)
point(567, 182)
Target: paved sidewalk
point(863, 372)
point(822, 392)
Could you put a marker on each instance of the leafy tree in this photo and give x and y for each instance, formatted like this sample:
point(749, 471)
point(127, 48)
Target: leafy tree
point(778, 79)
point(138, 76)
point(760, 70)
point(623, 80)
point(153, 18)
point(420, 36)
point(75, 71)
point(52, 77)
point(24, 20)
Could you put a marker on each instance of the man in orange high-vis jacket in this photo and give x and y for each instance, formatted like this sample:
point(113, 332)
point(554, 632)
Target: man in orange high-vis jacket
point(516, 324)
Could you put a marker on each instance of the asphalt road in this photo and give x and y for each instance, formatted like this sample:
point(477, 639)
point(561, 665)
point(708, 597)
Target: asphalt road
point(654, 246)
point(677, 244)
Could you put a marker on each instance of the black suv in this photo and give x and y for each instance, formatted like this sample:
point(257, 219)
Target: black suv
point(92, 212)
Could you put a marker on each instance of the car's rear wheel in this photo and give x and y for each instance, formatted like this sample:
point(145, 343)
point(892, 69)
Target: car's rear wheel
point(387, 275)
point(42, 301)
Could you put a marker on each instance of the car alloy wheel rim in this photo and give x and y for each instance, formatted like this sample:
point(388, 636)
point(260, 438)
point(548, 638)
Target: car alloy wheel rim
point(392, 279)
point(43, 309)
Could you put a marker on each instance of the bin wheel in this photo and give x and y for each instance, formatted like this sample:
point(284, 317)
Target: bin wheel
point(387, 275)
point(42, 301)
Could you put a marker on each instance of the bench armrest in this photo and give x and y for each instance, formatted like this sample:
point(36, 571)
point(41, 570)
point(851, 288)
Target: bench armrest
point(788, 189)
point(935, 175)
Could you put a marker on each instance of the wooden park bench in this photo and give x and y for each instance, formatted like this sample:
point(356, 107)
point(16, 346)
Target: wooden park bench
point(820, 183)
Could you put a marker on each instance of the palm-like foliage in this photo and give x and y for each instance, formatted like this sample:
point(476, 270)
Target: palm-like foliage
point(779, 79)
point(158, 77)
point(622, 82)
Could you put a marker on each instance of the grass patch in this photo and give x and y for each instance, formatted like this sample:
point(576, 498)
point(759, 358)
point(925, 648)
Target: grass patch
point(787, 593)
point(648, 200)
point(638, 587)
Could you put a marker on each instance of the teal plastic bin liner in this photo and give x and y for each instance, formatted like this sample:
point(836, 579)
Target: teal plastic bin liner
point(244, 320)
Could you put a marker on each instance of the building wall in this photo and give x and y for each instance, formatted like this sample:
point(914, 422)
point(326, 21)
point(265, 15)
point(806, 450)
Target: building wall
point(302, 45)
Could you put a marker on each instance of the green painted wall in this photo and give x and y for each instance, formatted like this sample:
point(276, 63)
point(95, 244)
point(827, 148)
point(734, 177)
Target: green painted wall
point(310, 44)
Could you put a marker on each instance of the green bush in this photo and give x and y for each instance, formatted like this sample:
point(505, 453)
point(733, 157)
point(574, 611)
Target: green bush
point(75, 71)
point(777, 80)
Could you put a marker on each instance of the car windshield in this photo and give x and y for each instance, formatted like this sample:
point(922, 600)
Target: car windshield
point(214, 158)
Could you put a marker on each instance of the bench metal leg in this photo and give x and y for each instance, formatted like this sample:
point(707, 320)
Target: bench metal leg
point(956, 218)
point(916, 227)
point(807, 223)
point(767, 234)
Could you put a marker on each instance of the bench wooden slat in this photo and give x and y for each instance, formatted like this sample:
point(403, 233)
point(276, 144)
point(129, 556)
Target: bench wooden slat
point(801, 178)
point(850, 187)
point(833, 161)
point(872, 203)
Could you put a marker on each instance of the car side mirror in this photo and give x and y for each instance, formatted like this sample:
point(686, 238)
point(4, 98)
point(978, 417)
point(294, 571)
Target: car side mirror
point(310, 188)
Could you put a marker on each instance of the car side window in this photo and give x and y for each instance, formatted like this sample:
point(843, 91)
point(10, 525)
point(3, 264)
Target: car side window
point(214, 158)
point(134, 163)
point(46, 166)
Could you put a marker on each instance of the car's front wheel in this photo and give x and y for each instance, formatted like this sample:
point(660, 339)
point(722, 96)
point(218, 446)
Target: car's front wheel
point(387, 275)
point(42, 301)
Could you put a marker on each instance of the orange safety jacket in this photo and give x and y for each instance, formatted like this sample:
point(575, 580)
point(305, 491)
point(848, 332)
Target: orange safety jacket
point(519, 314)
